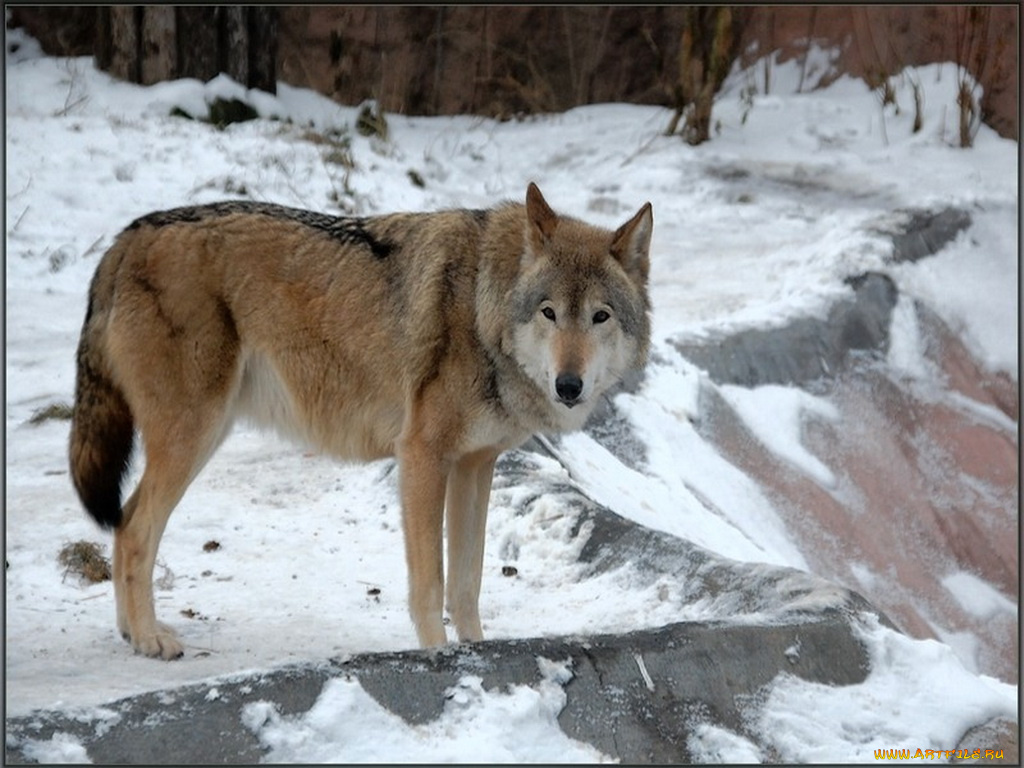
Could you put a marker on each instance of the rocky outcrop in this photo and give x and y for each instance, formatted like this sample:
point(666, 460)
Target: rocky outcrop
point(806, 349)
point(812, 349)
point(927, 471)
point(697, 673)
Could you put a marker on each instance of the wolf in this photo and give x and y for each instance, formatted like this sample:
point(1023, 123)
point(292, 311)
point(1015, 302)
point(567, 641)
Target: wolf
point(438, 338)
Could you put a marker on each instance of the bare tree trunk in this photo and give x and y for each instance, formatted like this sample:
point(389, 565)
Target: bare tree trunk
point(198, 41)
point(261, 25)
point(234, 45)
point(707, 48)
point(102, 49)
point(147, 44)
point(438, 56)
point(123, 53)
point(159, 53)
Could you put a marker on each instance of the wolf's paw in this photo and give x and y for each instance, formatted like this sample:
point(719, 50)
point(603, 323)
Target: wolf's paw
point(163, 643)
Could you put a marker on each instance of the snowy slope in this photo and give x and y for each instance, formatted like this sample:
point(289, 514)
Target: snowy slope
point(310, 563)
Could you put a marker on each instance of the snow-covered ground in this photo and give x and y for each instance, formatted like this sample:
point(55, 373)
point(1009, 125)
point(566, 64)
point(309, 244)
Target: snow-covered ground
point(310, 562)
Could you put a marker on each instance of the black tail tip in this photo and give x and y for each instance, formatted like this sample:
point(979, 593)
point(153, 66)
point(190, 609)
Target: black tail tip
point(104, 505)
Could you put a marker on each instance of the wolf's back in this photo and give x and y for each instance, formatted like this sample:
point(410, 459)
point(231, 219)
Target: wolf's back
point(102, 428)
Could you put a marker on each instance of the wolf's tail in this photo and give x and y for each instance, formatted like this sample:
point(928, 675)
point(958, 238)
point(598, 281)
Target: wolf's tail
point(102, 429)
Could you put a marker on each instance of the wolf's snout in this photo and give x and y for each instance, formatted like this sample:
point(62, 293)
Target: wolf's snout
point(568, 387)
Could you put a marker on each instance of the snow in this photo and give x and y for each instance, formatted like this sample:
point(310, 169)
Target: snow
point(990, 327)
point(59, 748)
point(977, 596)
point(775, 414)
point(758, 226)
point(515, 726)
point(716, 745)
point(906, 351)
point(915, 687)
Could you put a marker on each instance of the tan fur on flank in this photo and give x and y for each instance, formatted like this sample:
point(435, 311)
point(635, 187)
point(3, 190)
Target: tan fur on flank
point(439, 338)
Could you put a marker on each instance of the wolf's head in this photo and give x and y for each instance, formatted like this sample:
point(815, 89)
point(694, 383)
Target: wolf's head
point(579, 304)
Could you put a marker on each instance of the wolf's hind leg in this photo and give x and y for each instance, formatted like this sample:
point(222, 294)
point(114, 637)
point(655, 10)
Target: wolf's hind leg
point(173, 458)
point(118, 570)
point(469, 489)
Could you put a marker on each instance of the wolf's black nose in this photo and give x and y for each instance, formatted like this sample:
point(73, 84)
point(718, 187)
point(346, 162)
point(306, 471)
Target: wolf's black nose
point(568, 387)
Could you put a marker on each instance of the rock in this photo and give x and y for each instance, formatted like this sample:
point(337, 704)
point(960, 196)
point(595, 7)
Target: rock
point(927, 468)
point(988, 740)
point(922, 233)
point(810, 349)
point(635, 696)
point(807, 349)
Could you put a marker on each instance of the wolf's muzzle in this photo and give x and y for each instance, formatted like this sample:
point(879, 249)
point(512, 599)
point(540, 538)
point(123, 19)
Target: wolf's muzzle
point(568, 387)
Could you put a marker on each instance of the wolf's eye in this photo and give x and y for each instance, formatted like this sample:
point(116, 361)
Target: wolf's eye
point(600, 317)
point(549, 313)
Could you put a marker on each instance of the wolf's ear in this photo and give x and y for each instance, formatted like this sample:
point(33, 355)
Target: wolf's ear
point(631, 244)
point(539, 214)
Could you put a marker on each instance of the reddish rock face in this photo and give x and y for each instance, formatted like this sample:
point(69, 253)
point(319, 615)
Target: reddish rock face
point(927, 488)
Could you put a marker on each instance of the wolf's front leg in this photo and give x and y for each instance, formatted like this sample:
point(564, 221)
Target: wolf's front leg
point(469, 488)
point(422, 478)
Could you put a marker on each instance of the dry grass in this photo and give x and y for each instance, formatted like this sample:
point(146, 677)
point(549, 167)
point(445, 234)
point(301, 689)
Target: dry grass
point(85, 559)
point(59, 411)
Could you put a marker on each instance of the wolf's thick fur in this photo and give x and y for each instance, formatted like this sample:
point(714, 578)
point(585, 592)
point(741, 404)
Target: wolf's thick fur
point(439, 338)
